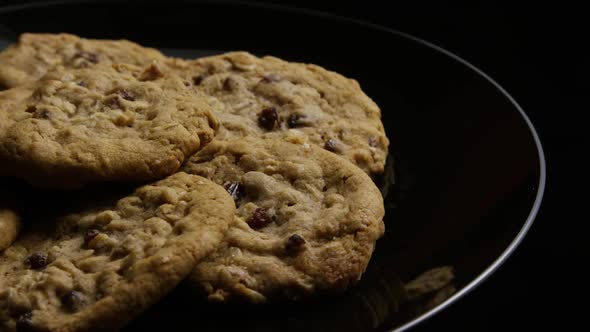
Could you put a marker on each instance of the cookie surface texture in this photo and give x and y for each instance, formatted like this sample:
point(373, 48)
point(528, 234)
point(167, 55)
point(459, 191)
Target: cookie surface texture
point(35, 53)
point(306, 221)
point(293, 101)
point(104, 123)
point(95, 270)
point(9, 227)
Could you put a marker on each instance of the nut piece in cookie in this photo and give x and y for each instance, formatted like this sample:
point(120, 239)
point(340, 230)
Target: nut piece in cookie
point(55, 279)
point(103, 123)
point(306, 222)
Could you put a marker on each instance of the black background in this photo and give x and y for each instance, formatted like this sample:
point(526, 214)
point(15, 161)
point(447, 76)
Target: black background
point(536, 51)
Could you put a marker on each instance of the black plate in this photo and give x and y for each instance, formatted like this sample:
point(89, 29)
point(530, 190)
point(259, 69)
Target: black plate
point(469, 167)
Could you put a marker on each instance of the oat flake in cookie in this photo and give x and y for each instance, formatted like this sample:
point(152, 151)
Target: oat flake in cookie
point(306, 221)
point(104, 123)
point(96, 270)
point(36, 53)
point(293, 101)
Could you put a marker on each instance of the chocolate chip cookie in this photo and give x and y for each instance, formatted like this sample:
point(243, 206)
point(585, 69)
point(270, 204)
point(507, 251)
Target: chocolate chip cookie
point(307, 220)
point(36, 53)
point(9, 227)
point(104, 123)
point(99, 268)
point(298, 102)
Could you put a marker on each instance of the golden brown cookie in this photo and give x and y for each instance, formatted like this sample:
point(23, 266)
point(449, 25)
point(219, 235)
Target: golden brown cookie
point(97, 269)
point(306, 221)
point(104, 123)
point(36, 53)
point(269, 97)
point(261, 96)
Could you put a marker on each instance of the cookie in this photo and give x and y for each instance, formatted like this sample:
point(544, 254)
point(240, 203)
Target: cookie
point(429, 282)
point(97, 269)
point(306, 222)
point(36, 53)
point(429, 289)
point(298, 102)
point(262, 96)
point(104, 123)
point(9, 227)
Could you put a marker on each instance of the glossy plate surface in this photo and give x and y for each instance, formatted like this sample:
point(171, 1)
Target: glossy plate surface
point(469, 168)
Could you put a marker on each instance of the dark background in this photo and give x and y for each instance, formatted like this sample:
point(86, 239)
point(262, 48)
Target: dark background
point(537, 53)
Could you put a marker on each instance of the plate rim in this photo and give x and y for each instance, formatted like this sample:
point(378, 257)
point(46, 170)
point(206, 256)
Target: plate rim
point(516, 241)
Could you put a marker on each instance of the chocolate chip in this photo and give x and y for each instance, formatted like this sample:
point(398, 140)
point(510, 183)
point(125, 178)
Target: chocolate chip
point(125, 94)
point(330, 145)
point(259, 218)
point(31, 109)
point(24, 323)
point(268, 118)
point(373, 141)
point(73, 301)
point(295, 244)
point(235, 189)
point(151, 73)
point(295, 120)
point(87, 56)
point(37, 260)
point(90, 235)
point(198, 79)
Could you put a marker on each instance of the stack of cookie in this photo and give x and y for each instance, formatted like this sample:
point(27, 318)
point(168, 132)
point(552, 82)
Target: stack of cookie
point(249, 177)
